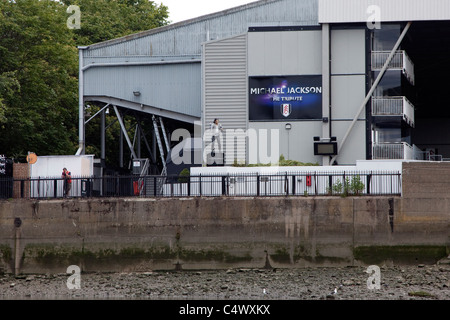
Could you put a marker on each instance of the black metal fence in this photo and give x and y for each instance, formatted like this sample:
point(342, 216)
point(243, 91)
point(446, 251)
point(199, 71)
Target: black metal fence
point(240, 185)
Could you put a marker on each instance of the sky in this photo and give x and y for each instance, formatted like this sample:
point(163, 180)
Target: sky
point(180, 10)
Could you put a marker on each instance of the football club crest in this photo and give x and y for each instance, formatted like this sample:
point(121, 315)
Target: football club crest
point(286, 109)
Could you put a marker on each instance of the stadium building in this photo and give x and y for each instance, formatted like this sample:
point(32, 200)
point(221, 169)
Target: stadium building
point(317, 81)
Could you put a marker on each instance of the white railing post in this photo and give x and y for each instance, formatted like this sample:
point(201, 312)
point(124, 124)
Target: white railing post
point(408, 68)
point(408, 111)
point(399, 150)
point(393, 106)
point(400, 61)
point(406, 151)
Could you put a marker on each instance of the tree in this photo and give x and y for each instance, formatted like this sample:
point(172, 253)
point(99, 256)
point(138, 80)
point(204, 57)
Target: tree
point(37, 55)
point(103, 20)
point(39, 66)
point(8, 86)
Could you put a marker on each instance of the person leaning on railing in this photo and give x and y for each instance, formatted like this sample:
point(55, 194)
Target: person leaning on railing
point(66, 175)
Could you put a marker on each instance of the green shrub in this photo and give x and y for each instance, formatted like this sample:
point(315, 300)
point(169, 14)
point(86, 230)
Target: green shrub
point(353, 187)
point(357, 186)
point(184, 175)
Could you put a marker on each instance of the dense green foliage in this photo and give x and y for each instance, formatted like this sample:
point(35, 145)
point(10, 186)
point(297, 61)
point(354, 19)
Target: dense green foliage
point(39, 66)
point(104, 20)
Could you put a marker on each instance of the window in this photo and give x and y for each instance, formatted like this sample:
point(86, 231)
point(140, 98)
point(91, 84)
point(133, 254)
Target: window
point(385, 38)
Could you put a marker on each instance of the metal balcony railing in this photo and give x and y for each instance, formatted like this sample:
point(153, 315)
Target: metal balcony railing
point(394, 150)
point(393, 106)
point(400, 61)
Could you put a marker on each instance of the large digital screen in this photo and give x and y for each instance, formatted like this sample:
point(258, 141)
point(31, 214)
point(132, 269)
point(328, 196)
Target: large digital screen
point(275, 98)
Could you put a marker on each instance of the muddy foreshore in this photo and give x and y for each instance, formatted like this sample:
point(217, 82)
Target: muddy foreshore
point(412, 282)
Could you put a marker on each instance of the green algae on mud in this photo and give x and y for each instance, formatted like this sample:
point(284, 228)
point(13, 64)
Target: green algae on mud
point(5, 257)
point(407, 254)
point(49, 255)
point(283, 256)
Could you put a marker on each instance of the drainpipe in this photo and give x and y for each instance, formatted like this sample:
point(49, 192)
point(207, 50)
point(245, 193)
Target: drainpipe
point(81, 139)
point(326, 124)
point(17, 251)
point(375, 84)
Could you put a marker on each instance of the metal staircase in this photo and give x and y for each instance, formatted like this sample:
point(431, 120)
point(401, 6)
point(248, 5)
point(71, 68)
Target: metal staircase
point(143, 174)
point(147, 185)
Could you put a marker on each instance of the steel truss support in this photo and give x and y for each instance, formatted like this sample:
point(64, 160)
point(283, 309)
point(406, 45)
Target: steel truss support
point(161, 149)
point(124, 131)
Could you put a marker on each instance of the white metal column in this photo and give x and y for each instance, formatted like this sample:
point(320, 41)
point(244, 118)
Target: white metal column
point(81, 139)
point(326, 87)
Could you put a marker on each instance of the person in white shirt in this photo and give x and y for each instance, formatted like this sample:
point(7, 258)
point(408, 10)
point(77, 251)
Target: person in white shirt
point(216, 129)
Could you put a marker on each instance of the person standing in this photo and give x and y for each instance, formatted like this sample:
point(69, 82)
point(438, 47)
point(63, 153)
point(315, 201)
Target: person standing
point(216, 129)
point(67, 178)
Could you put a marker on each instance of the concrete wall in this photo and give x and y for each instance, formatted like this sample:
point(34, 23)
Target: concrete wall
point(118, 235)
point(426, 193)
point(207, 233)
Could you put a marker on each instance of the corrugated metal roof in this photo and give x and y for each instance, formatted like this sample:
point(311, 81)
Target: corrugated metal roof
point(185, 38)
